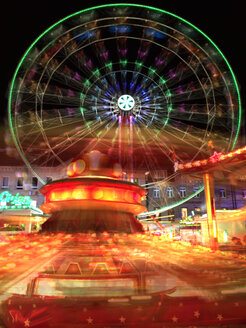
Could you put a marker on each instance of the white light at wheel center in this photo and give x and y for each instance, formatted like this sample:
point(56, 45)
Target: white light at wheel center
point(126, 102)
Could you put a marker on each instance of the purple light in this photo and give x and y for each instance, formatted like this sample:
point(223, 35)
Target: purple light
point(123, 52)
point(70, 93)
point(181, 108)
point(70, 111)
point(171, 73)
point(180, 90)
point(142, 54)
point(88, 64)
point(77, 76)
point(104, 55)
point(158, 61)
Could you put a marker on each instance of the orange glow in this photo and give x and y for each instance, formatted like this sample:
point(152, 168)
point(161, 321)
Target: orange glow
point(109, 194)
point(79, 166)
point(214, 229)
point(80, 193)
point(83, 189)
point(70, 170)
point(97, 193)
point(129, 196)
point(66, 195)
point(117, 171)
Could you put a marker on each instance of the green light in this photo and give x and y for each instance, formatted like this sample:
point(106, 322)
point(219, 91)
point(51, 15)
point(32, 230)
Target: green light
point(82, 110)
point(96, 72)
point(88, 124)
point(7, 200)
point(168, 93)
point(123, 62)
point(87, 83)
point(162, 81)
point(152, 70)
point(138, 64)
point(170, 108)
point(109, 65)
point(90, 9)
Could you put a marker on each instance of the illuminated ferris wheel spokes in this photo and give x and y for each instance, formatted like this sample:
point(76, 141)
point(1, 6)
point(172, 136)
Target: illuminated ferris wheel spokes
point(128, 84)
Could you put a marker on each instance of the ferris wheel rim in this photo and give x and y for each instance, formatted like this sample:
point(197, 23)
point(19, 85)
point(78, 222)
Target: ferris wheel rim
point(104, 6)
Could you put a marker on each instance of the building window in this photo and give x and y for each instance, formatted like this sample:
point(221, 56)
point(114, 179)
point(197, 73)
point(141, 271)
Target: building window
point(48, 179)
point(19, 183)
point(170, 192)
point(5, 183)
point(182, 192)
point(34, 182)
point(196, 190)
point(222, 193)
point(156, 192)
point(184, 213)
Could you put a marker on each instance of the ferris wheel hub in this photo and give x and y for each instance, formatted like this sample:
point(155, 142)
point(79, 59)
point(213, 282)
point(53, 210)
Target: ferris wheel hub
point(126, 102)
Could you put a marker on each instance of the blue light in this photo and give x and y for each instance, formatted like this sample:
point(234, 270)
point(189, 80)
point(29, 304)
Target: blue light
point(132, 85)
point(156, 34)
point(143, 92)
point(120, 29)
point(85, 35)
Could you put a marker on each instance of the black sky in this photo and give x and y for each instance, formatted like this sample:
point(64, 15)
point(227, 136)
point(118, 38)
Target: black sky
point(22, 22)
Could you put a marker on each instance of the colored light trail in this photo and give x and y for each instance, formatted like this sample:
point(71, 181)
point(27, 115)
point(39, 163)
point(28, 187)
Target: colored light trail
point(192, 275)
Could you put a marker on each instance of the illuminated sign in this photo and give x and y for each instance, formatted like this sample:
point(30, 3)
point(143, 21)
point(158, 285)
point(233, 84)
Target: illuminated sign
point(9, 201)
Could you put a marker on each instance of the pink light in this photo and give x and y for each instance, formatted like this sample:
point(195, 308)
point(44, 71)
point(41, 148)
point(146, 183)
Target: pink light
point(119, 140)
point(131, 145)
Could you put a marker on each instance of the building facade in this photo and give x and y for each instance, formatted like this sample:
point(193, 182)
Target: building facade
point(19, 180)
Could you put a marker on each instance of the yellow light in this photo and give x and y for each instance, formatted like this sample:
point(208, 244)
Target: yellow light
point(109, 194)
point(80, 193)
point(214, 229)
point(70, 169)
point(97, 193)
point(79, 166)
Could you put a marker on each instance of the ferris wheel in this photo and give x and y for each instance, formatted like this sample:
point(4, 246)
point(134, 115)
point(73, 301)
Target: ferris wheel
point(139, 83)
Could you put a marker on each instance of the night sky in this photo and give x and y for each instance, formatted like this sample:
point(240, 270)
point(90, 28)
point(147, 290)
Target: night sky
point(22, 22)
